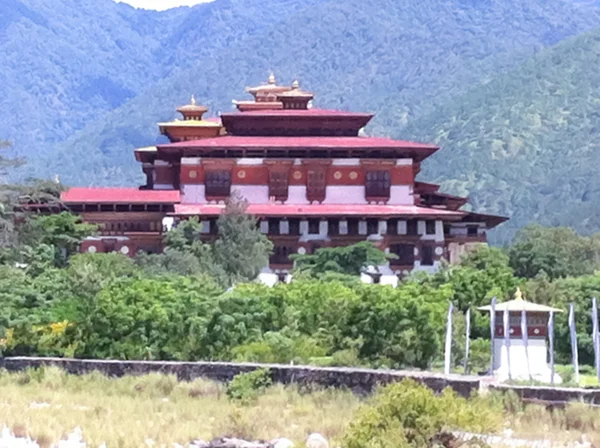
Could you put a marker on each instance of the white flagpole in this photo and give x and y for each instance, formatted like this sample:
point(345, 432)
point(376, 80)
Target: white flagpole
point(551, 345)
point(448, 348)
point(467, 339)
point(493, 334)
point(506, 323)
point(525, 337)
point(574, 342)
point(596, 337)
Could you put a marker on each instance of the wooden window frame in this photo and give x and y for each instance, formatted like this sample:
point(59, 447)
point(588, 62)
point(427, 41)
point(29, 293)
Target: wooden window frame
point(412, 227)
point(316, 188)
point(429, 260)
point(279, 184)
point(210, 190)
point(404, 259)
point(428, 227)
point(378, 184)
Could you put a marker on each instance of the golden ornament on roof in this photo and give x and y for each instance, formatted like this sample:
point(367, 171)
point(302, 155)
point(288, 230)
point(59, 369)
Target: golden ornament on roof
point(271, 78)
point(518, 294)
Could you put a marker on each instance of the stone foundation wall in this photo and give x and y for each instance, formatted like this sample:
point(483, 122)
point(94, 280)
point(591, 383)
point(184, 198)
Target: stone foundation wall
point(358, 380)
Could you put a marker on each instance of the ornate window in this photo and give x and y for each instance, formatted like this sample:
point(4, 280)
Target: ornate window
point(314, 226)
point(281, 255)
point(430, 227)
point(427, 255)
point(294, 226)
point(278, 185)
point(405, 254)
point(315, 184)
point(218, 183)
point(412, 227)
point(273, 226)
point(377, 184)
point(353, 226)
point(372, 226)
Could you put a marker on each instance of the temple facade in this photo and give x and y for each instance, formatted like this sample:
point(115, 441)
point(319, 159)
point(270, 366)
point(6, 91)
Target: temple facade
point(310, 178)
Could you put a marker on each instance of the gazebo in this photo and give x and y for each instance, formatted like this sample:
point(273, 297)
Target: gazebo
point(521, 358)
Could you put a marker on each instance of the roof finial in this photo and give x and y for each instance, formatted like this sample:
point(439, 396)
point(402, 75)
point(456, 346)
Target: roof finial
point(193, 100)
point(518, 294)
point(295, 85)
point(272, 78)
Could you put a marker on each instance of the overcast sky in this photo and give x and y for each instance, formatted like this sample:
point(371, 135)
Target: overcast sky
point(161, 4)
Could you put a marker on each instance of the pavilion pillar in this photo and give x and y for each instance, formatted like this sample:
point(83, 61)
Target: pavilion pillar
point(148, 170)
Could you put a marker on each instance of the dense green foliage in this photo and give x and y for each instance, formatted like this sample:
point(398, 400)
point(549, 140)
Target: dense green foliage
point(86, 81)
point(246, 387)
point(407, 414)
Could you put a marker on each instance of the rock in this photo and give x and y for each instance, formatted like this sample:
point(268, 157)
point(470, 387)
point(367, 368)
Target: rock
point(226, 442)
point(282, 443)
point(199, 444)
point(316, 440)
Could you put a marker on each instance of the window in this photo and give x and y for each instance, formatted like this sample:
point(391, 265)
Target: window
point(372, 226)
point(294, 227)
point(405, 254)
point(218, 183)
point(353, 227)
point(472, 230)
point(213, 227)
point(430, 227)
point(313, 226)
point(392, 227)
point(315, 184)
point(411, 227)
point(281, 255)
point(278, 184)
point(273, 226)
point(333, 227)
point(427, 255)
point(377, 184)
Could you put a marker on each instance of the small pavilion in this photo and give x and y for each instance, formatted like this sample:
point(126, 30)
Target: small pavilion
point(526, 361)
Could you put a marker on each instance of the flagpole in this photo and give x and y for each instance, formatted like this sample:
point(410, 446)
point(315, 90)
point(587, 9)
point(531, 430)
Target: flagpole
point(448, 348)
point(493, 333)
point(574, 342)
point(525, 337)
point(551, 345)
point(467, 339)
point(506, 323)
point(596, 337)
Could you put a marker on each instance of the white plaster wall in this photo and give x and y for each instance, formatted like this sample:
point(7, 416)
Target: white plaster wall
point(404, 162)
point(297, 194)
point(437, 236)
point(193, 194)
point(401, 227)
point(190, 160)
point(321, 236)
point(345, 162)
point(345, 194)
point(250, 161)
point(255, 194)
point(519, 368)
point(429, 269)
point(401, 195)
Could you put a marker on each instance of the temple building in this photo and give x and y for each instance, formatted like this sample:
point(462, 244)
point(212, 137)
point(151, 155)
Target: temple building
point(310, 178)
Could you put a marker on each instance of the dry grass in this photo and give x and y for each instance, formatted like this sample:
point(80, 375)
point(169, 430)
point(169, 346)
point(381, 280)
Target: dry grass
point(127, 412)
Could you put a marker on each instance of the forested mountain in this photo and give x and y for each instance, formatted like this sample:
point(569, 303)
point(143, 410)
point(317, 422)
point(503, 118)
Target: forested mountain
point(85, 82)
point(527, 143)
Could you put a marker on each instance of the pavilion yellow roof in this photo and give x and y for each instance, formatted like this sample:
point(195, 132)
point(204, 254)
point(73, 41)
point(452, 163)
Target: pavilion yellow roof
point(518, 304)
point(192, 123)
point(147, 149)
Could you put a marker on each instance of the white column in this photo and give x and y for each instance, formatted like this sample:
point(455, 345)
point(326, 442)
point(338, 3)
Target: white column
point(284, 227)
point(343, 227)
point(264, 226)
point(439, 231)
point(382, 227)
point(401, 227)
point(205, 227)
point(304, 227)
point(421, 227)
point(362, 227)
point(323, 228)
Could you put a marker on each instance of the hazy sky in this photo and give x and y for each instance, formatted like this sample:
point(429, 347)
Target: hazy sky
point(161, 4)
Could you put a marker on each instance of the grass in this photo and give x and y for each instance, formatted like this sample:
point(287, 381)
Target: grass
point(131, 411)
point(126, 412)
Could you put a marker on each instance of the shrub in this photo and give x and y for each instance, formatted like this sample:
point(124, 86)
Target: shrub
point(407, 414)
point(246, 387)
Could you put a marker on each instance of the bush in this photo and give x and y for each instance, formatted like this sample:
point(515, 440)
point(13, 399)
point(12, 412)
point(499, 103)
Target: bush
point(408, 414)
point(246, 387)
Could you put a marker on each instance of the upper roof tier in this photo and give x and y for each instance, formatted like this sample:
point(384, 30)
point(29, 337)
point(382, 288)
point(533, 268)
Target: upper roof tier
point(193, 126)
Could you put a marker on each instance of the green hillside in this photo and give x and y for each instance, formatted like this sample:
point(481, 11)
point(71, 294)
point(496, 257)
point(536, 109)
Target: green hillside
point(527, 143)
point(398, 59)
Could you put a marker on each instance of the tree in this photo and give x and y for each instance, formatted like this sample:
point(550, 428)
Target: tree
point(348, 260)
point(63, 231)
point(557, 251)
point(242, 250)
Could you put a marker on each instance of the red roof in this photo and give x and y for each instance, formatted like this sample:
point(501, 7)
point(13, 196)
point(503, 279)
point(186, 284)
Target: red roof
point(283, 142)
point(321, 210)
point(299, 113)
point(119, 196)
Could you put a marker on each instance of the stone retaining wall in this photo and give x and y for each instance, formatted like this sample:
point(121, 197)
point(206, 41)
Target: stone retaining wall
point(359, 380)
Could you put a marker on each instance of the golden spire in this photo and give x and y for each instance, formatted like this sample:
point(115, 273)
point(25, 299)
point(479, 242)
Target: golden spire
point(272, 78)
point(295, 85)
point(518, 294)
point(193, 100)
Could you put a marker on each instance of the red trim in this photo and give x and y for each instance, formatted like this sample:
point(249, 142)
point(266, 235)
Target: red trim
point(119, 196)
